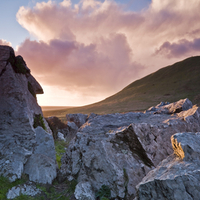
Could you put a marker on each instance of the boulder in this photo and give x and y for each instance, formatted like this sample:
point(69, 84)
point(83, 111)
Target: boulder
point(84, 191)
point(19, 115)
point(118, 150)
point(25, 189)
point(79, 119)
point(41, 166)
point(178, 175)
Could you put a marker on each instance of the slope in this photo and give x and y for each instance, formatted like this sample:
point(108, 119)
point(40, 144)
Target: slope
point(170, 83)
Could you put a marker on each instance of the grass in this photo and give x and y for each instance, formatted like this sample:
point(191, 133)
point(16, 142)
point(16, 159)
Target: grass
point(172, 83)
point(5, 185)
point(38, 121)
point(60, 150)
point(55, 191)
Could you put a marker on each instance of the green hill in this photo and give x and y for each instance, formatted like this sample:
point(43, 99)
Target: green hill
point(170, 83)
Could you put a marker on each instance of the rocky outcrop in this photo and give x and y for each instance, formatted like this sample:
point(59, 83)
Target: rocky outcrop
point(178, 176)
point(169, 108)
point(19, 115)
point(118, 150)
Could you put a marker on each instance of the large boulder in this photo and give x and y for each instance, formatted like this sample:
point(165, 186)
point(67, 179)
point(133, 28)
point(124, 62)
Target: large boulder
point(118, 150)
point(41, 166)
point(178, 176)
point(19, 114)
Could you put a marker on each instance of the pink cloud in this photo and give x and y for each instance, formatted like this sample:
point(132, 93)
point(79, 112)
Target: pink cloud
point(97, 47)
point(179, 49)
point(96, 68)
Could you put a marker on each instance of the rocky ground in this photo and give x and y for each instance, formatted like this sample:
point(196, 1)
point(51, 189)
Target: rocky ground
point(135, 155)
point(118, 150)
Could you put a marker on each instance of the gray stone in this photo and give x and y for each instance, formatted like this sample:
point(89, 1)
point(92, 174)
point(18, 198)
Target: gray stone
point(72, 130)
point(41, 169)
point(186, 145)
point(79, 119)
point(91, 115)
point(41, 166)
point(118, 150)
point(176, 107)
point(178, 175)
point(18, 108)
point(72, 126)
point(25, 189)
point(84, 191)
point(61, 137)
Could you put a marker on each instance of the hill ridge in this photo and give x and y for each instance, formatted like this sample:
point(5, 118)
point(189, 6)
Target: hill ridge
point(171, 83)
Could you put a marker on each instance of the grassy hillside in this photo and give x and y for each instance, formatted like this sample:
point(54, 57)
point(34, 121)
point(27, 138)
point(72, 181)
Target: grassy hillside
point(171, 83)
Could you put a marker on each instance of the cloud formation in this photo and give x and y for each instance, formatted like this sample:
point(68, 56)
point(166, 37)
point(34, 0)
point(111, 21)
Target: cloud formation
point(4, 42)
point(97, 47)
point(179, 49)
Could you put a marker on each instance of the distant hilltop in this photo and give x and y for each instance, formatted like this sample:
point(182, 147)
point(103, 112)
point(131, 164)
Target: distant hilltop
point(178, 81)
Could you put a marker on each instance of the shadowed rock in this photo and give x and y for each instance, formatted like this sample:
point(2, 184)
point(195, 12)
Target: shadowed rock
point(18, 110)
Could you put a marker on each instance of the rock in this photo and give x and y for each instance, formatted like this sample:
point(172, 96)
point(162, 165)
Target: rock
point(68, 129)
point(41, 166)
point(61, 137)
point(186, 145)
point(25, 189)
point(5, 52)
point(84, 191)
point(79, 119)
point(178, 175)
point(176, 107)
point(36, 86)
point(118, 150)
point(91, 115)
point(18, 111)
point(72, 130)
point(41, 169)
point(72, 126)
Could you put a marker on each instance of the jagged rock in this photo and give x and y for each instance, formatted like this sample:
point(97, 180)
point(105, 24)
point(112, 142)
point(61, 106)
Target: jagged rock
point(72, 130)
point(36, 86)
point(176, 107)
point(84, 191)
point(25, 189)
point(178, 176)
point(18, 109)
point(41, 166)
point(118, 150)
point(79, 119)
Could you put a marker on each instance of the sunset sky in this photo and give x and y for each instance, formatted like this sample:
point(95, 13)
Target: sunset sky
point(84, 51)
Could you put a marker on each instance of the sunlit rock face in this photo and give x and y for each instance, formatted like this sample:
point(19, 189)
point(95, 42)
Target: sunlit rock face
point(18, 113)
point(178, 176)
point(118, 150)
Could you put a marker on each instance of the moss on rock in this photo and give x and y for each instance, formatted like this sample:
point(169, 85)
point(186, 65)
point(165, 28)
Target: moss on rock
point(38, 121)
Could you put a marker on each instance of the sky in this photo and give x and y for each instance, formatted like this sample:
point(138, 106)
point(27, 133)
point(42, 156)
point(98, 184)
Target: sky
point(82, 51)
